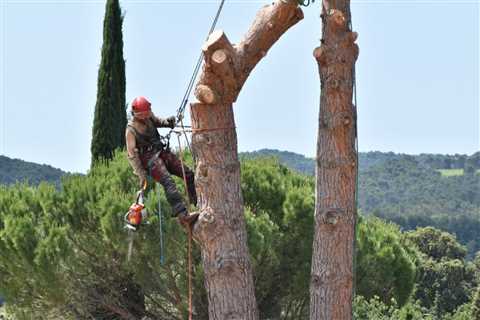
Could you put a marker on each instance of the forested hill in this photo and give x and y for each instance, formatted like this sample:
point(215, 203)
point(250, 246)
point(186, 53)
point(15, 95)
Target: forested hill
point(15, 170)
point(413, 190)
point(368, 159)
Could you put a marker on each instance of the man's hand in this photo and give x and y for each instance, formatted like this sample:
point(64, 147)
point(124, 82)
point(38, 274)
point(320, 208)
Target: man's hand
point(172, 121)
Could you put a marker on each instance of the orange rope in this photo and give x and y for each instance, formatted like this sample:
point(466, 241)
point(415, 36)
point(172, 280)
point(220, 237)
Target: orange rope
point(212, 129)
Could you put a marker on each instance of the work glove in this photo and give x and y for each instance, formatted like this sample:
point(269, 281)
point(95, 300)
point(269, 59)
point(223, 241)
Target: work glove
point(172, 121)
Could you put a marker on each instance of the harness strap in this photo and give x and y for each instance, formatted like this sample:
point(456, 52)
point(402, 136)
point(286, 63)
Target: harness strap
point(151, 162)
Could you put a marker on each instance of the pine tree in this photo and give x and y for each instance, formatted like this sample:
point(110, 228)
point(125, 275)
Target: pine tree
point(110, 117)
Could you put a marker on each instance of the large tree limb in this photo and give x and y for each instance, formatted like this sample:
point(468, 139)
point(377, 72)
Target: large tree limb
point(220, 230)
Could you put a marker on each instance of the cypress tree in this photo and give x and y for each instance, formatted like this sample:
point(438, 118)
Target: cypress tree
point(110, 117)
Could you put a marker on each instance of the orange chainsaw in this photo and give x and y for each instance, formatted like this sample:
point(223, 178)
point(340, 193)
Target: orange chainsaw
point(137, 213)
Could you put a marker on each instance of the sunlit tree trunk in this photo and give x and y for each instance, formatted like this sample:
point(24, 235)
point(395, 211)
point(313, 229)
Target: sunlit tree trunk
point(331, 286)
point(221, 230)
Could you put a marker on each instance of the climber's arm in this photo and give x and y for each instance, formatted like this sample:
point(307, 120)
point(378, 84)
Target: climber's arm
point(163, 123)
point(134, 157)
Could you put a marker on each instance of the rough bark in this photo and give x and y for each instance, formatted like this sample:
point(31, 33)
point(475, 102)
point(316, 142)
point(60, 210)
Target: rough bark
point(331, 286)
point(220, 230)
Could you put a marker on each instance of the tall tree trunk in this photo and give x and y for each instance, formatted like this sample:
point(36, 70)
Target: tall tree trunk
point(221, 230)
point(331, 286)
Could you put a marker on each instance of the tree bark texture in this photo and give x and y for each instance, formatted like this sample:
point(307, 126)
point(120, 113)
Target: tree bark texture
point(220, 230)
point(332, 275)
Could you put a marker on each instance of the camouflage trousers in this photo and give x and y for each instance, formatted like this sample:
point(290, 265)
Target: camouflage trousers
point(160, 166)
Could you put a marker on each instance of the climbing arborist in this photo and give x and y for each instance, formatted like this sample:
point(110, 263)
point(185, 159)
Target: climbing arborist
point(149, 156)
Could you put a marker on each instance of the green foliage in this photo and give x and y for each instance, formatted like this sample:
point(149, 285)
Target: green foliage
point(292, 160)
point(110, 117)
point(443, 284)
point(64, 252)
point(445, 280)
point(451, 172)
point(464, 312)
point(410, 191)
point(437, 244)
point(372, 308)
point(70, 246)
point(475, 308)
point(283, 205)
point(407, 190)
point(413, 196)
point(476, 265)
point(280, 229)
point(385, 268)
point(375, 309)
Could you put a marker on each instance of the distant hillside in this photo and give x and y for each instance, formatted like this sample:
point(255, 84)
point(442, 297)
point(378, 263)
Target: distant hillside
point(15, 170)
point(413, 190)
point(290, 159)
point(368, 159)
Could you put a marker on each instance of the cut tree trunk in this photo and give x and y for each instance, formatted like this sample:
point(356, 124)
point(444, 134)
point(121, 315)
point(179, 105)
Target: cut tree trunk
point(220, 230)
point(331, 286)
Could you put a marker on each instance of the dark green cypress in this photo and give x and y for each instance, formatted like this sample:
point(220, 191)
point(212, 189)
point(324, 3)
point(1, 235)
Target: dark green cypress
point(110, 117)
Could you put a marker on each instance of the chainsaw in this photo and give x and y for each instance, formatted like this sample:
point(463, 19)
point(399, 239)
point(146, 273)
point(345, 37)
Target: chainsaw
point(137, 214)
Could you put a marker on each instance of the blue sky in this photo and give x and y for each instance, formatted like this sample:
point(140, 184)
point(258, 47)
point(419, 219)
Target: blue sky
point(417, 74)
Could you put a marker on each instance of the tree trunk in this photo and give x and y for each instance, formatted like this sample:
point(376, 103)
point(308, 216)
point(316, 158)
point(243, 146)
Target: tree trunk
point(220, 230)
point(331, 286)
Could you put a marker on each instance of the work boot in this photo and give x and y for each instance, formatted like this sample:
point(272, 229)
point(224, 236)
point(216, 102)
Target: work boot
point(187, 220)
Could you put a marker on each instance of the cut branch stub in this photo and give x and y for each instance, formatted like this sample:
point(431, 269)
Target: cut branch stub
point(219, 57)
point(218, 71)
point(205, 94)
point(337, 22)
point(338, 45)
point(217, 40)
point(222, 65)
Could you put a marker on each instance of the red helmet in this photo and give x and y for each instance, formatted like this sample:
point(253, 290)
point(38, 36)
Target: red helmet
point(140, 104)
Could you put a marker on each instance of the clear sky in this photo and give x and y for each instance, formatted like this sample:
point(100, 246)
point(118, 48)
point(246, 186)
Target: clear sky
point(417, 74)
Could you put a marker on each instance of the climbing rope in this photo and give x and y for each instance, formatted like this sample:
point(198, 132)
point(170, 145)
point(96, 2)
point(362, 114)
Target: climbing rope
point(184, 101)
point(180, 115)
point(188, 91)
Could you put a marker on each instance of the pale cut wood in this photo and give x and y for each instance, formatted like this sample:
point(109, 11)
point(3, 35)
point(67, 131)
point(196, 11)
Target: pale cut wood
point(205, 94)
point(220, 230)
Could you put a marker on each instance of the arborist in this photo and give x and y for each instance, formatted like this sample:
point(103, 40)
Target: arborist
point(148, 155)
